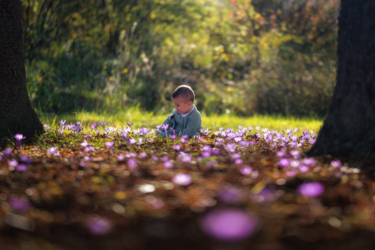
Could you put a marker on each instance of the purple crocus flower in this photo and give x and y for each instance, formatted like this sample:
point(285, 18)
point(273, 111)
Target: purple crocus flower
point(229, 224)
point(62, 123)
point(295, 153)
point(284, 162)
point(132, 163)
point(7, 152)
point(311, 189)
point(98, 225)
point(154, 158)
point(142, 155)
point(246, 170)
point(26, 159)
point(267, 195)
point(109, 144)
point(52, 150)
point(120, 157)
point(132, 141)
point(173, 137)
point(336, 164)
point(165, 127)
point(93, 126)
point(19, 204)
point(130, 124)
point(168, 164)
point(185, 157)
point(182, 179)
point(103, 124)
point(230, 147)
point(21, 167)
point(216, 151)
point(164, 158)
point(206, 154)
point(229, 194)
point(294, 164)
point(84, 143)
point(61, 131)
point(238, 161)
point(308, 161)
point(177, 147)
point(13, 163)
point(303, 169)
point(19, 137)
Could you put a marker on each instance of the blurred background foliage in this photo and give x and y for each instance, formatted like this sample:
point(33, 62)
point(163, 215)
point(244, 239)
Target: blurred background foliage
point(242, 57)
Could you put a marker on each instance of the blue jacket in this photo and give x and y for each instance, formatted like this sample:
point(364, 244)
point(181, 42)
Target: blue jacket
point(189, 125)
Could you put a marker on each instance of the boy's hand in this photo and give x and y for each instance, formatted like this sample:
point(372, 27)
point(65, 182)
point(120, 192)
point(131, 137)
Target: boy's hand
point(157, 132)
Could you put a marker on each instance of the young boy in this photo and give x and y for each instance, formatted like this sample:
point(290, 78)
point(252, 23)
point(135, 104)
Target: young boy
point(185, 117)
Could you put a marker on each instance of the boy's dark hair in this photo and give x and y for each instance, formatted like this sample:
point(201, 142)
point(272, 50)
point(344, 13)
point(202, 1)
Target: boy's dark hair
point(184, 91)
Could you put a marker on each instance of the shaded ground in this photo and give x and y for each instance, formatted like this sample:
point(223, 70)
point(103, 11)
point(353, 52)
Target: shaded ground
point(98, 196)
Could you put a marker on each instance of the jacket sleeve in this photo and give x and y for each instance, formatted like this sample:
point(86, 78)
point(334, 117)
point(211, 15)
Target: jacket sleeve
point(192, 126)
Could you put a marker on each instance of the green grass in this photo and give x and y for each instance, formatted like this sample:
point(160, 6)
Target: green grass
point(149, 119)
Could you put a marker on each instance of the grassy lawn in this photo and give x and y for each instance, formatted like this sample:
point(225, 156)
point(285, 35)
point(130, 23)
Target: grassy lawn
point(149, 119)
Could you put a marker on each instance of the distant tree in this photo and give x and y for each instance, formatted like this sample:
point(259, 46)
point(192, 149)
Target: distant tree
point(349, 127)
point(16, 113)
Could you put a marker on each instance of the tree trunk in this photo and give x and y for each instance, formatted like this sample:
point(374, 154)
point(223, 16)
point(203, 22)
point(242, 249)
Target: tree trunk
point(349, 127)
point(16, 113)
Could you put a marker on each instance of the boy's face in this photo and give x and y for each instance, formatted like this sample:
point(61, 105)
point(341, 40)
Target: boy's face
point(182, 105)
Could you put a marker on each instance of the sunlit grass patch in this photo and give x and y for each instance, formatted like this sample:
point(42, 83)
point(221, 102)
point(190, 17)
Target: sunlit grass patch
point(149, 119)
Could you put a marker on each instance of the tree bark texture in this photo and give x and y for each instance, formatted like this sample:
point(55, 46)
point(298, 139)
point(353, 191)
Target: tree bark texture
point(16, 113)
point(349, 127)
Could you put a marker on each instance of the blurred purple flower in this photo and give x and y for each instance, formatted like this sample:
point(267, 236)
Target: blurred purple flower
point(206, 148)
point(93, 126)
point(109, 144)
point(26, 159)
point(308, 161)
point(13, 163)
point(154, 158)
point(142, 155)
point(52, 150)
point(336, 164)
point(164, 158)
point(132, 141)
point(185, 157)
point(177, 147)
point(284, 162)
point(61, 131)
point(281, 153)
point(229, 224)
point(130, 124)
point(120, 157)
point(7, 152)
point(236, 156)
point(311, 189)
point(230, 147)
point(88, 149)
point(303, 169)
point(229, 194)
point(238, 161)
point(21, 167)
point(182, 179)
point(84, 143)
point(165, 127)
point(267, 195)
point(206, 154)
point(19, 137)
point(295, 153)
point(62, 123)
point(168, 164)
point(98, 225)
point(216, 151)
point(294, 164)
point(132, 163)
point(246, 170)
point(103, 124)
point(20, 204)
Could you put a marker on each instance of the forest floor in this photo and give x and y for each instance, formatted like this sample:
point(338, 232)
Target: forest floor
point(108, 187)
